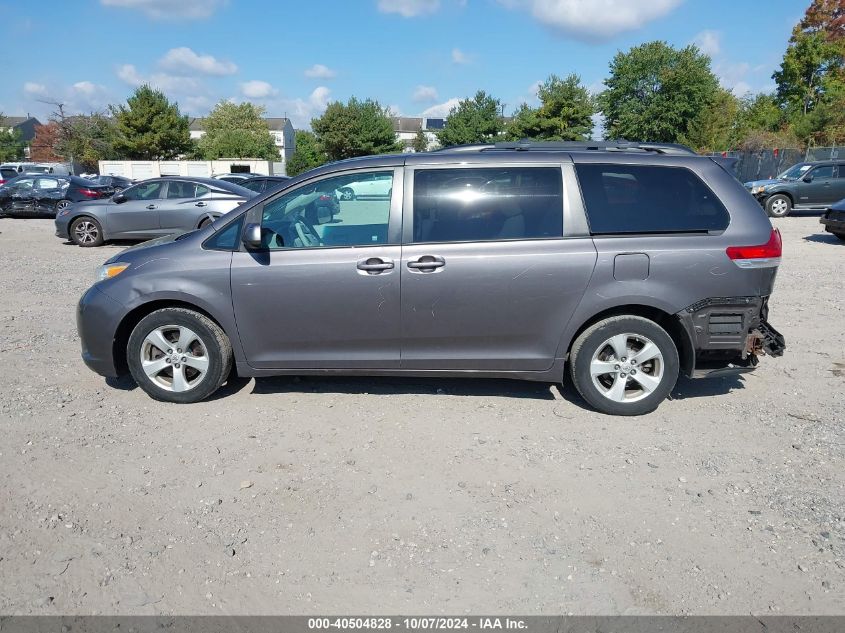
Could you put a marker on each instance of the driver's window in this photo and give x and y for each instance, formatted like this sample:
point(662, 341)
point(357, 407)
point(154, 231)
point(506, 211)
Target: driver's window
point(144, 191)
point(329, 213)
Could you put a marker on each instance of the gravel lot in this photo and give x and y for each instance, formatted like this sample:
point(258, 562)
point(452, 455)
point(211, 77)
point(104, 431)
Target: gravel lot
point(417, 496)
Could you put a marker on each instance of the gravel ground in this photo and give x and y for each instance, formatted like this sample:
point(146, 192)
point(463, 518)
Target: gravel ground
point(321, 495)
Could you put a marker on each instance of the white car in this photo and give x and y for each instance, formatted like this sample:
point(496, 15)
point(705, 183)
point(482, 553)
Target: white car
point(376, 185)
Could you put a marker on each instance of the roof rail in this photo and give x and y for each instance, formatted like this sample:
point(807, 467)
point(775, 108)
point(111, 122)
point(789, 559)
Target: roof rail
point(620, 145)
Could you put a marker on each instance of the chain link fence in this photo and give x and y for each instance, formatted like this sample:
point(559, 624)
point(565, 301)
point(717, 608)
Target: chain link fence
point(768, 163)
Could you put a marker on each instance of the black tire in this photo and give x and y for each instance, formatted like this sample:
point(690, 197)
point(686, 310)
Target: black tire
point(841, 236)
point(85, 231)
point(346, 193)
point(779, 205)
point(62, 205)
point(214, 347)
point(591, 343)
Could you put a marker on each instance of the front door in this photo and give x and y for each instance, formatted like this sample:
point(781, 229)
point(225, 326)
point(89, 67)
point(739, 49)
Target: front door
point(820, 190)
point(137, 214)
point(322, 296)
point(22, 195)
point(489, 281)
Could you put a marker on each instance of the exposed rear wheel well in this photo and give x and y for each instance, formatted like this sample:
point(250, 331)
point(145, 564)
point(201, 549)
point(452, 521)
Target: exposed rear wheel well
point(134, 317)
point(668, 322)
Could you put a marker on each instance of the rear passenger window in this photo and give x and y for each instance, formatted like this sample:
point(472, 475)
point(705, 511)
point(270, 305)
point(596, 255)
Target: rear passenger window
point(505, 203)
point(648, 199)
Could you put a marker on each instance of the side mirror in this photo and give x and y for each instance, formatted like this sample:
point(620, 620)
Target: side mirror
point(252, 236)
point(808, 178)
point(119, 197)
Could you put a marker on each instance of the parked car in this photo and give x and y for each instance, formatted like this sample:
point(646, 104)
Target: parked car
point(7, 173)
point(260, 184)
point(117, 183)
point(372, 186)
point(152, 208)
point(811, 186)
point(46, 194)
point(489, 261)
point(235, 178)
point(834, 219)
point(38, 168)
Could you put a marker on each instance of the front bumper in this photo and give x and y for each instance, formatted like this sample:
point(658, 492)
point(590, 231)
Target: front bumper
point(834, 221)
point(62, 227)
point(97, 318)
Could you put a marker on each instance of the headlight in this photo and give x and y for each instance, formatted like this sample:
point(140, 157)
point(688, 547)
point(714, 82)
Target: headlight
point(107, 271)
point(758, 189)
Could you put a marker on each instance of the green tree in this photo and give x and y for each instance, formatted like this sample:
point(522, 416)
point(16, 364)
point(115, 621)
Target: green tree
point(85, 139)
point(565, 112)
point(236, 130)
point(655, 92)
point(149, 127)
point(714, 127)
point(356, 128)
point(420, 143)
point(475, 120)
point(307, 154)
point(11, 145)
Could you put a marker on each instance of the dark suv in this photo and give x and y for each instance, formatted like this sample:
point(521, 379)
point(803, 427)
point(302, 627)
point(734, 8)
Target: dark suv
point(812, 186)
point(625, 264)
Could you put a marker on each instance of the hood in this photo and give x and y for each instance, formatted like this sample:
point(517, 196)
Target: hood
point(159, 241)
point(757, 183)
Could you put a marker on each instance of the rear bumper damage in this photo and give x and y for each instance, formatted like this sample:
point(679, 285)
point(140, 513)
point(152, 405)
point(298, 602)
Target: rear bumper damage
point(727, 335)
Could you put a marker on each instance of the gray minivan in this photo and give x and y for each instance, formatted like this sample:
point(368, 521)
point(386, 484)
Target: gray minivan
point(626, 264)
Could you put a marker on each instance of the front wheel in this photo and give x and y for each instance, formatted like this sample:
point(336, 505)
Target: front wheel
point(178, 355)
point(624, 365)
point(778, 206)
point(86, 231)
point(347, 194)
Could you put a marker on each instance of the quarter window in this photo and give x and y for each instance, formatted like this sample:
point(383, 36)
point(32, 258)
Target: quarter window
point(328, 212)
point(648, 199)
point(483, 204)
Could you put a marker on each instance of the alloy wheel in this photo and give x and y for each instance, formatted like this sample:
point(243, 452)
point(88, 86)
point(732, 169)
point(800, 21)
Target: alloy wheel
point(86, 232)
point(627, 368)
point(174, 358)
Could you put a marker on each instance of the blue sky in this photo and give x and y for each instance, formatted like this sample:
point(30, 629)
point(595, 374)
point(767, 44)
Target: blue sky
point(416, 56)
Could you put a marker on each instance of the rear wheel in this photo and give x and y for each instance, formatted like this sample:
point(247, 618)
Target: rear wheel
point(61, 205)
point(178, 355)
point(778, 206)
point(86, 231)
point(624, 365)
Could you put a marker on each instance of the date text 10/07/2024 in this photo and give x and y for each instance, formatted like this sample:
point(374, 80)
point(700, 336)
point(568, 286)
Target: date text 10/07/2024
point(416, 623)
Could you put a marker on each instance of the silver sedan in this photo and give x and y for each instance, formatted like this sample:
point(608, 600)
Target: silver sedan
point(152, 208)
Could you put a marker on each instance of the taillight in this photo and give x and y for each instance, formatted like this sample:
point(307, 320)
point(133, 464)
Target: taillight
point(759, 256)
point(89, 193)
point(325, 198)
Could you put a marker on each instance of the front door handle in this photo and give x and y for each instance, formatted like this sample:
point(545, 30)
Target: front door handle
point(375, 265)
point(427, 263)
point(201, 204)
point(151, 206)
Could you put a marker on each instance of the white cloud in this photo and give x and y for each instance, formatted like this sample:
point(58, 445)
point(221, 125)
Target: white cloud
point(185, 61)
point(165, 82)
point(441, 109)
point(460, 57)
point(408, 8)
point(159, 9)
point(256, 89)
point(319, 71)
point(708, 42)
point(86, 87)
point(34, 89)
point(425, 93)
point(593, 20)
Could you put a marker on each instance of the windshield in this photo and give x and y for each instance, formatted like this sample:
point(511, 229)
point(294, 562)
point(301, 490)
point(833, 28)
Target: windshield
point(795, 172)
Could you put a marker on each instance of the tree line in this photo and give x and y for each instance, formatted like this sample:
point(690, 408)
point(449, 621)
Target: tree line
point(654, 92)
